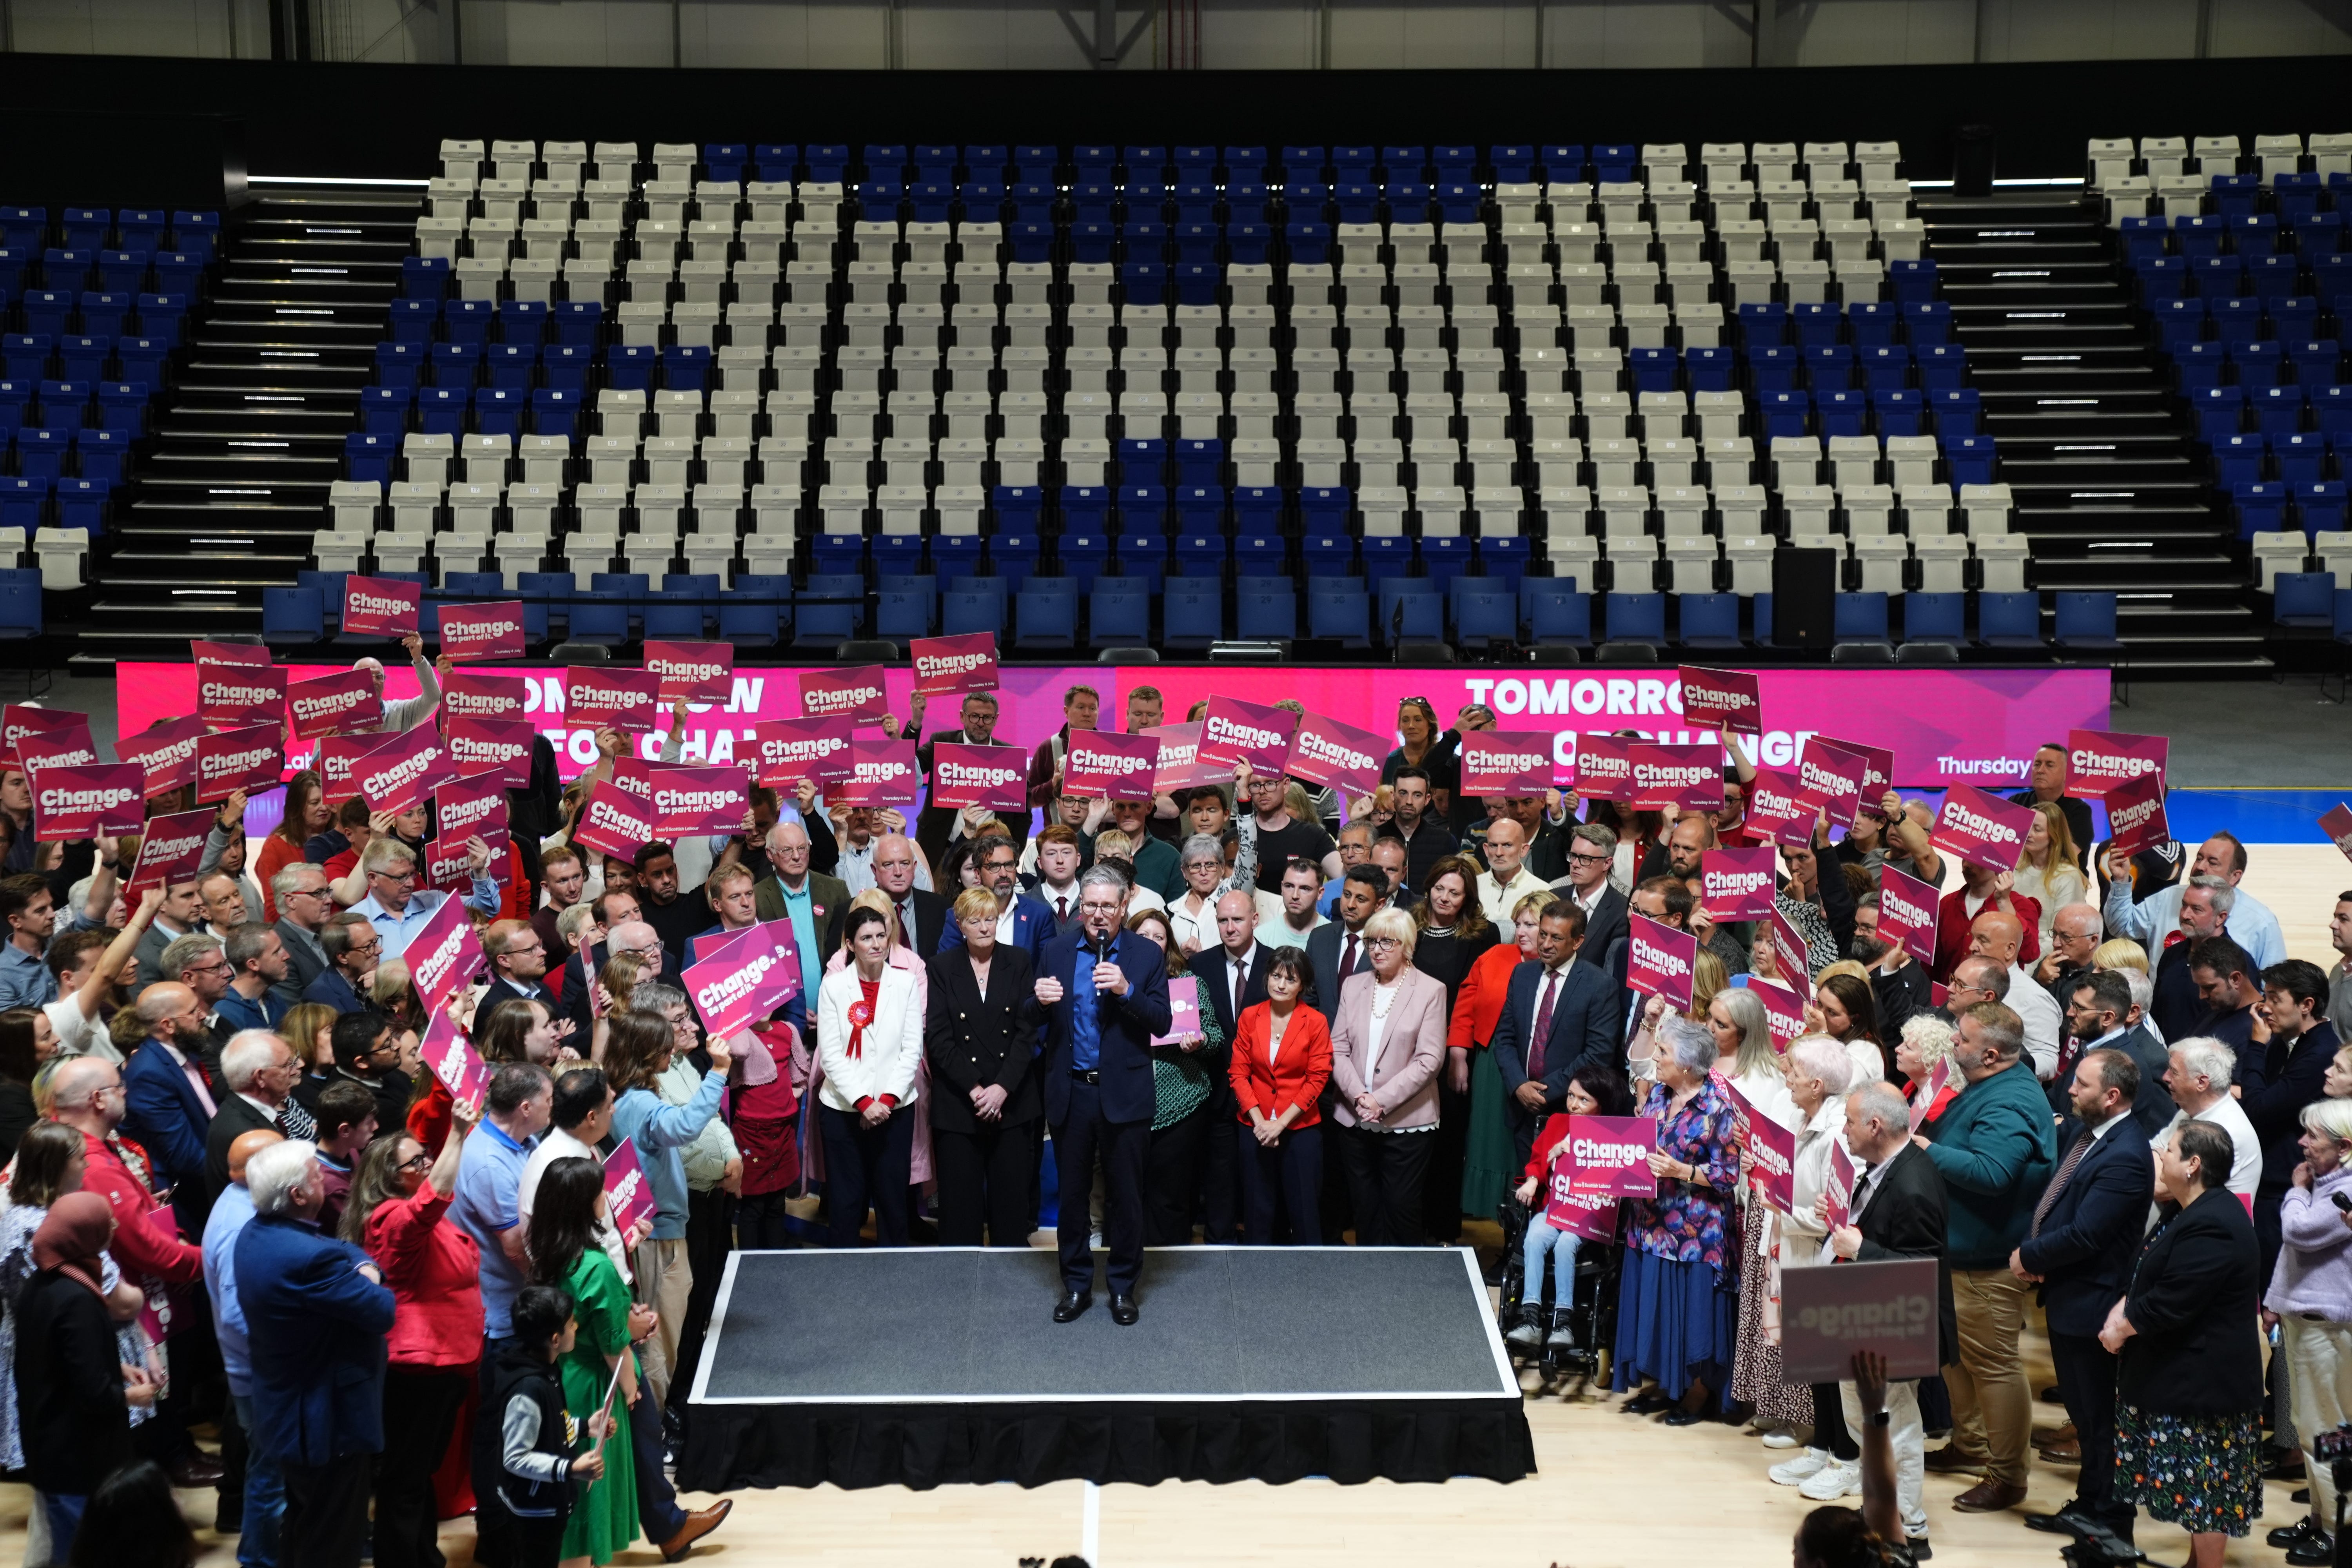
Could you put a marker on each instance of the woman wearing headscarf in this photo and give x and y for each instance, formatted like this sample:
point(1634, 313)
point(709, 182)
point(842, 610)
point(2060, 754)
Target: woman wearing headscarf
point(73, 1389)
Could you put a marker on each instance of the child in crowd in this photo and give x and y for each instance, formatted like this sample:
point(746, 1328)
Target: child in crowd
point(526, 1443)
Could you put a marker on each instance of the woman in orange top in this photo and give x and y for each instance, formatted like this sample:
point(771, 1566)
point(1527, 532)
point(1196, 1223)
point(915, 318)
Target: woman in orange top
point(1281, 1060)
point(1488, 1160)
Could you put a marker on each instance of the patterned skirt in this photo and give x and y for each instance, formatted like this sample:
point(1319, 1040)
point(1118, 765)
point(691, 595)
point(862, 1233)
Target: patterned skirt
point(1755, 1366)
point(2203, 1473)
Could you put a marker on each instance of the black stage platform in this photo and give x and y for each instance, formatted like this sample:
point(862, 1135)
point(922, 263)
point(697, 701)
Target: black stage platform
point(926, 1366)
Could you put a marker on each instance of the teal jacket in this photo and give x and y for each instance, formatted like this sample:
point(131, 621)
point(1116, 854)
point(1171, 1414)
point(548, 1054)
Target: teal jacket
point(1996, 1147)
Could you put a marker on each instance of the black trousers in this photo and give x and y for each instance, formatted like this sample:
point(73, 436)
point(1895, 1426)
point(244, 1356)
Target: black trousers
point(2086, 1385)
point(1829, 1423)
point(709, 1237)
point(761, 1224)
point(863, 1165)
point(1441, 1190)
point(1083, 1135)
point(1172, 1177)
point(1287, 1179)
point(1220, 1165)
point(508, 1542)
point(420, 1411)
point(1338, 1205)
point(326, 1513)
point(1385, 1174)
point(983, 1180)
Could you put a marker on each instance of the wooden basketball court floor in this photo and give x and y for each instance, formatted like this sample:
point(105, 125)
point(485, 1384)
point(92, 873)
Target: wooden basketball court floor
point(1611, 1491)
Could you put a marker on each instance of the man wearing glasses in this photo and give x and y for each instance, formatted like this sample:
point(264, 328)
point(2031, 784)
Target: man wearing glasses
point(1022, 921)
point(353, 949)
point(518, 963)
point(1591, 850)
point(304, 906)
point(397, 908)
point(170, 1098)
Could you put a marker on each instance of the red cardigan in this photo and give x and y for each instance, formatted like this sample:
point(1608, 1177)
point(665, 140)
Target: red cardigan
point(1478, 1005)
point(1295, 1077)
point(434, 1270)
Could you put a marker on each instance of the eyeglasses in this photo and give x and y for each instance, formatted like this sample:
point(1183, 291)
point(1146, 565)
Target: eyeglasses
point(1590, 859)
point(308, 893)
point(408, 875)
point(1381, 941)
point(422, 1162)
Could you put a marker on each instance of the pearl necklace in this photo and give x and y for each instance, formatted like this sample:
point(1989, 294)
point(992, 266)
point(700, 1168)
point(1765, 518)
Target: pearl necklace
point(1383, 997)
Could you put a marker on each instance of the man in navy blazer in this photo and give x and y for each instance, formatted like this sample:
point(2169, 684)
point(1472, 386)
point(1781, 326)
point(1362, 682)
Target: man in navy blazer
point(999, 861)
point(164, 1107)
point(316, 1314)
point(1583, 1026)
point(2085, 1233)
point(1213, 970)
point(1105, 991)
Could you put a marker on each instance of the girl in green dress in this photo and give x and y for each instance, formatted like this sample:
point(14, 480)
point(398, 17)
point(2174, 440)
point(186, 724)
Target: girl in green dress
point(568, 1209)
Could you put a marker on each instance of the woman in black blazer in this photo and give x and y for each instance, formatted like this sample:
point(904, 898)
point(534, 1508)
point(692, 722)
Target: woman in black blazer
point(981, 1038)
point(2188, 1392)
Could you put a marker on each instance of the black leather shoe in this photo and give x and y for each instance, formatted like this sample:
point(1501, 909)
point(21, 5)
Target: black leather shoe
point(2312, 1553)
point(2301, 1530)
point(1070, 1308)
point(1681, 1415)
point(1123, 1312)
point(1649, 1401)
point(2283, 1465)
point(1920, 1551)
point(2300, 1494)
point(2065, 1521)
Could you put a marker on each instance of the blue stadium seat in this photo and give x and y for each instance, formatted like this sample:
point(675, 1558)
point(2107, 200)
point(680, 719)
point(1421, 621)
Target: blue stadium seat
point(1047, 613)
point(1265, 609)
point(2085, 622)
point(1119, 612)
point(295, 615)
point(964, 610)
point(1194, 613)
point(1636, 619)
point(2011, 621)
point(2299, 600)
point(1556, 613)
point(1339, 610)
point(1410, 608)
point(1708, 620)
point(1485, 617)
point(1935, 617)
point(1859, 618)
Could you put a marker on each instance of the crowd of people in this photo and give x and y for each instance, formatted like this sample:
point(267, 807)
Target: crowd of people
point(1247, 1012)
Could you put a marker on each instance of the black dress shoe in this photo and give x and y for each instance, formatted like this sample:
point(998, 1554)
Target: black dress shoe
point(1649, 1401)
point(1682, 1415)
point(1071, 1305)
point(1920, 1551)
point(2300, 1494)
point(2312, 1553)
point(2065, 1521)
point(1123, 1312)
point(2284, 1465)
point(2301, 1530)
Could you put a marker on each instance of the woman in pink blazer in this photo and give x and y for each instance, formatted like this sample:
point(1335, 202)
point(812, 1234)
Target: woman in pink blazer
point(1387, 1041)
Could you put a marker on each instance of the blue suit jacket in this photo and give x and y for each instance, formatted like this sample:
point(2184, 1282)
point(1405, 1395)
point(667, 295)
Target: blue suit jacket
point(1125, 1026)
point(2091, 1234)
point(162, 1112)
point(317, 1327)
point(1033, 928)
point(336, 991)
point(1584, 1028)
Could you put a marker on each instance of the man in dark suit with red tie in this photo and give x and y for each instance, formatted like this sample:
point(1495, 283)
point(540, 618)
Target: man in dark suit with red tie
point(1238, 953)
point(2085, 1238)
point(1335, 949)
point(1558, 1015)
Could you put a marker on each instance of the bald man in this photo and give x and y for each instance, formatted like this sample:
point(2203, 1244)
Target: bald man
point(1998, 935)
point(1231, 979)
point(265, 1484)
point(171, 1096)
point(400, 717)
point(1507, 879)
point(922, 916)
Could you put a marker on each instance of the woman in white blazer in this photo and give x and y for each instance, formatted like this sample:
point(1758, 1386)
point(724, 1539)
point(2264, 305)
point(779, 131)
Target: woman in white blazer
point(1387, 1040)
point(870, 1041)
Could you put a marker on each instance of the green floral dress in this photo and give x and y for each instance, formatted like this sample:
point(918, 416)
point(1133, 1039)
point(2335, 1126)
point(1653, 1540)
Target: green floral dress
point(604, 1516)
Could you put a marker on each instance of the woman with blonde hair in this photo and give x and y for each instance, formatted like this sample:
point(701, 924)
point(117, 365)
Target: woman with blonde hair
point(2120, 953)
point(1388, 1040)
point(2045, 867)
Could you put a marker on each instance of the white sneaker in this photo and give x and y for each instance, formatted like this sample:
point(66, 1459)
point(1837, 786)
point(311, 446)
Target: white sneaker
point(1833, 1481)
point(1802, 1468)
point(1780, 1437)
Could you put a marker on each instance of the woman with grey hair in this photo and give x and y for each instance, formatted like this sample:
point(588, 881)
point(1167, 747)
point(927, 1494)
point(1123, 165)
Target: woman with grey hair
point(1819, 1071)
point(1675, 1296)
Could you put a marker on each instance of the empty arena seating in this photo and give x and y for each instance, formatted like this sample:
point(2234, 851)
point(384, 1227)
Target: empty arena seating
point(95, 302)
point(2241, 260)
point(1249, 385)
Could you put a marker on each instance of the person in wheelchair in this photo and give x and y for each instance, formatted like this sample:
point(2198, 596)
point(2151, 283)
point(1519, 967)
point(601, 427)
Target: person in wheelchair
point(1596, 1088)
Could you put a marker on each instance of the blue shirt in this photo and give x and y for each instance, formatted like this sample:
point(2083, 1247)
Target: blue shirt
point(490, 1175)
point(239, 1014)
point(660, 1129)
point(24, 981)
point(396, 930)
point(799, 909)
point(1085, 1010)
point(232, 1212)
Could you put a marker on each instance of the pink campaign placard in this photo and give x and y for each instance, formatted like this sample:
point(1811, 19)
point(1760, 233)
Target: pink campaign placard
point(1771, 1149)
point(251, 758)
point(1737, 884)
point(400, 773)
point(950, 666)
point(700, 800)
point(1676, 778)
point(445, 955)
point(1591, 1216)
point(334, 704)
point(2336, 823)
point(69, 745)
point(1837, 1193)
point(169, 854)
point(204, 652)
point(786, 750)
point(1982, 829)
point(21, 722)
point(449, 862)
point(613, 821)
point(1323, 750)
point(1730, 700)
point(1777, 810)
point(859, 692)
point(1828, 1314)
point(1604, 767)
point(1878, 766)
point(607, 698)
point(881, 772)
point(1505, 762)
point(1610, 1155)
point(464, 807)
point(996, 778)
point(492, 630)
point(744, 980)
point(1784, 1011)
point(338, 764)
point(628, 1192)
point(1790, 954)
point(1923, 1097)
point(1258, 733)
point(697, 672)
point(452, 1059)
point(166, 754)
point(2136, 815)
point(233, 696)
point(1181, 764)
point(1830, 778)
point(380, 607)
point(476, 694)
point(107, 798)
point(1183, 1010)
point(496, 748)
point(2099, 759)
point(1659, 960)
point(1101, 764)
point(1907, 908)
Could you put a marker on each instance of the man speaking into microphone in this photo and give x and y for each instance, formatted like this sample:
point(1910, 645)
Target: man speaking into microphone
point(1106, 995)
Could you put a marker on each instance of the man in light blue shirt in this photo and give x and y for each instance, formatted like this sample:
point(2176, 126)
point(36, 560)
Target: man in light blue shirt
point(660, 1131)
point(394, 905)
point(2156, 917)
point(265, 1485)
point(521, 1100)
point(31, 916)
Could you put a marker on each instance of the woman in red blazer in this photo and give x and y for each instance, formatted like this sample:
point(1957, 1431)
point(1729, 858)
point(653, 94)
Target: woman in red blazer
point(1281, 1060)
